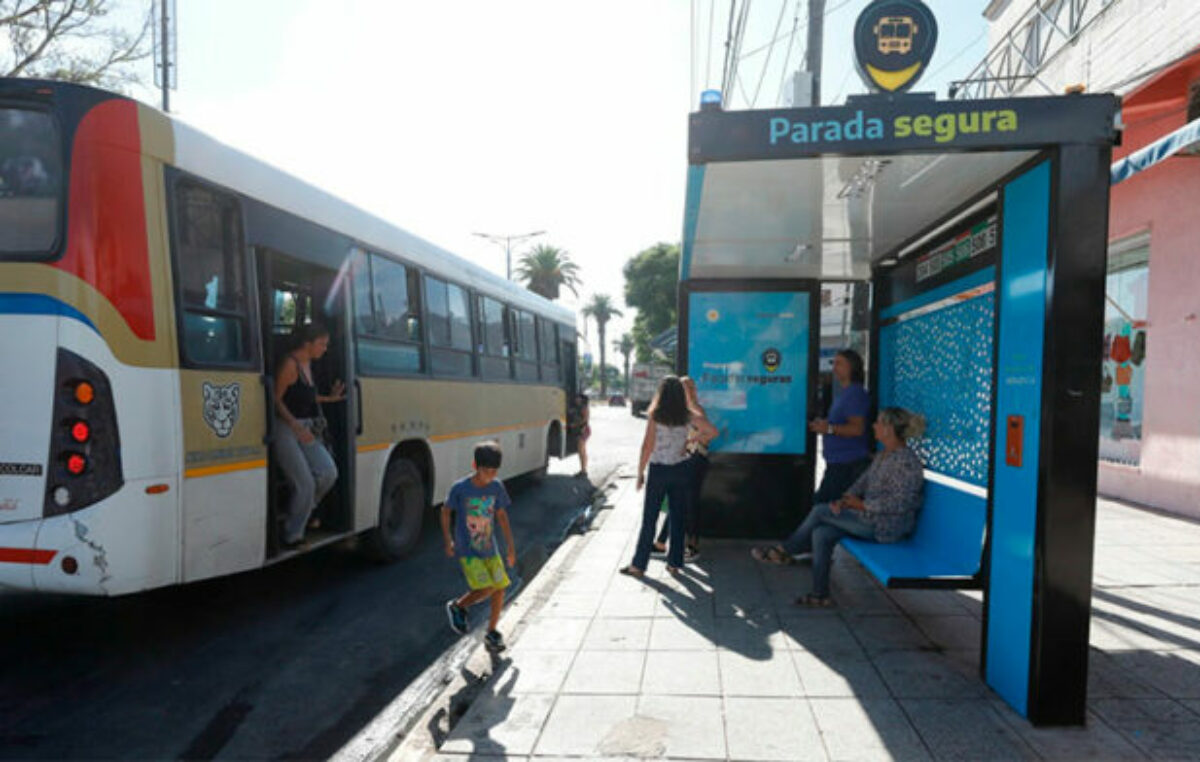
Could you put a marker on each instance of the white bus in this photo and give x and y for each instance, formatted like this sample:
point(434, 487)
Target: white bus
point(150, 279)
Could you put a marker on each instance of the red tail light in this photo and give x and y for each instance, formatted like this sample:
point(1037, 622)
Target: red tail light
point(80, 431)
point(76, 464)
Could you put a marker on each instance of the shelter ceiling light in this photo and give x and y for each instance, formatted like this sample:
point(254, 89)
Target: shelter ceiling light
point(800, 250)
point(864, 177)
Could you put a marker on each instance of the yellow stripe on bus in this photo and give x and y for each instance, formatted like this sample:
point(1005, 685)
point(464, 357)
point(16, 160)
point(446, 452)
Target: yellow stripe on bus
point(224, 468)
point(483, 432)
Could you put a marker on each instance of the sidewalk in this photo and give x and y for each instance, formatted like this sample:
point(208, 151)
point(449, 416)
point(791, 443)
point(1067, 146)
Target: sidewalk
point(721, 664)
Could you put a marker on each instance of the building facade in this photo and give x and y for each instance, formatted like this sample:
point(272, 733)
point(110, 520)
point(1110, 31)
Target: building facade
point(1148, 51)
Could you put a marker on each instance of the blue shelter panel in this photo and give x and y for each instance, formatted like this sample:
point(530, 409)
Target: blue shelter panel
point(1022, 294)
point(748, 353)
point(939, 363)
point(691, 217)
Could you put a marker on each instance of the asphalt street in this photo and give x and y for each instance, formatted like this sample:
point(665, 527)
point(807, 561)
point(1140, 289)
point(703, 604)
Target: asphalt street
point(287, 662)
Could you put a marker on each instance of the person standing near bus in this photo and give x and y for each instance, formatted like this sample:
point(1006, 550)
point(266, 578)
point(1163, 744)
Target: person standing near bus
point(664, 450)
point(697, 448)
point(582, 425)
point(844, 442)
point(479, 501)
point(298, 445)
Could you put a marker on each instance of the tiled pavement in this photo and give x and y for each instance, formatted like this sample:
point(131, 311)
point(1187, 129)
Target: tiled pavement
point(721, 664)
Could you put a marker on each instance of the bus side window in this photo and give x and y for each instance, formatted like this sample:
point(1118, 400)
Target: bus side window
point(212, 274)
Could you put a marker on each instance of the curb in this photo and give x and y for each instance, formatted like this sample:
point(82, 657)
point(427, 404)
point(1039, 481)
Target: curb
point(462, 670)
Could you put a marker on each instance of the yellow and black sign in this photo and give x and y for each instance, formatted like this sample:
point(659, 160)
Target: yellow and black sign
point(893, 43)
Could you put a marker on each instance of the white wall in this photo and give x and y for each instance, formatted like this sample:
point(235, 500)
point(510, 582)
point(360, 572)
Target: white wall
point(1128, 37)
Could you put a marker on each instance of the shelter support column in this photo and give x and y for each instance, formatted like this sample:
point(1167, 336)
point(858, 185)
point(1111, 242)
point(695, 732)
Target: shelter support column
point(1041, 534)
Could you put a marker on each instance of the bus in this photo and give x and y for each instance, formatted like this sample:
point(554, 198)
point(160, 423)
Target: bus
point(151, 279)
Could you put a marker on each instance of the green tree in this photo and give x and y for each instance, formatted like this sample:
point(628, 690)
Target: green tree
point(72, 40)
point(545, 269)
point(651, 286)
point(625, 346)
point(601, 309)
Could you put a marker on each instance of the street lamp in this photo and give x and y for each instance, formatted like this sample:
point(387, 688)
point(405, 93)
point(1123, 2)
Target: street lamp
point(507, 241)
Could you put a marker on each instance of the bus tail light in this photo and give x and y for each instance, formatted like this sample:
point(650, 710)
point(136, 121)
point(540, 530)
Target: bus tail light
point(85, 449)
point(76, 464)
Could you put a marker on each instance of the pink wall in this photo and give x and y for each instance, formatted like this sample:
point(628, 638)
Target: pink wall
point(1164, 200)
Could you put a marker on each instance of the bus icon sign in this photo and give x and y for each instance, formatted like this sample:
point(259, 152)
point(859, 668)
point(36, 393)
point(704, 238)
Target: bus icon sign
point(895, 34)
point(893, 44)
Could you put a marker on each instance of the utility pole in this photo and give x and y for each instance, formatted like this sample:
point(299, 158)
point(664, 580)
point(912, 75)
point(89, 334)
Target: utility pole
point(507, 241)
point(164, 31)
point(816, 37)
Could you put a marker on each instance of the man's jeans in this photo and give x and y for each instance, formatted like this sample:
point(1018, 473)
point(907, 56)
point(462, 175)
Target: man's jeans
point(819, 533)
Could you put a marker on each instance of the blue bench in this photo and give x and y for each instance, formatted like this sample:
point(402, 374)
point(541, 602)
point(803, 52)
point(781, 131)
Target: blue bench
point(944, 551)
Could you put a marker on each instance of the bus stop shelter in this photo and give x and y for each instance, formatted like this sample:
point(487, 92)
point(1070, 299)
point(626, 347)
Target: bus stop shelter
point(981, 229)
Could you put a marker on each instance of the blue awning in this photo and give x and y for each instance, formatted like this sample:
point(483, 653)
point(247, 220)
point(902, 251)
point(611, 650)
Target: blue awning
point(1186, 139)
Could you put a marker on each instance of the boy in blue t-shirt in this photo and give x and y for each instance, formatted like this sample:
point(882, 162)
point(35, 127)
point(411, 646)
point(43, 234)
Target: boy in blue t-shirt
point(479, 501)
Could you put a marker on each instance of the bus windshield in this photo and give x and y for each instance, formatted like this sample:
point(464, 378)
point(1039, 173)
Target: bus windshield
point(30, 179)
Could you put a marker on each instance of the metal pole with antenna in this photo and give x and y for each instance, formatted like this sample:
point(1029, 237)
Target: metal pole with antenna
point(507, 241)
point(163, 28)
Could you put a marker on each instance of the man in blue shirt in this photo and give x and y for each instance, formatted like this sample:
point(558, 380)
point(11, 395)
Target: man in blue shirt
point(844, 439)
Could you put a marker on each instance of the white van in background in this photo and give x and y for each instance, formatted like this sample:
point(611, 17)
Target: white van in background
point(645, 378)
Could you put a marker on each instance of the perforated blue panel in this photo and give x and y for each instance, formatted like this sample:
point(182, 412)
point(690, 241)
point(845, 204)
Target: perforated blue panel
point(940, 365)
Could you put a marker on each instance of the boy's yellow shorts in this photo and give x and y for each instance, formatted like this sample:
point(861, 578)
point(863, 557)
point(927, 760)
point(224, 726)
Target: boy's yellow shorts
point(482, 573)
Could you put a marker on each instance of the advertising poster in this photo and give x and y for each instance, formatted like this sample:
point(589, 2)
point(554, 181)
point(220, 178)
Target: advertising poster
point(748, 353)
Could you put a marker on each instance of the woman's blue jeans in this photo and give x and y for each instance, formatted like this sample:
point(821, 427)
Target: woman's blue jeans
point(674, 483)
point(820, 533)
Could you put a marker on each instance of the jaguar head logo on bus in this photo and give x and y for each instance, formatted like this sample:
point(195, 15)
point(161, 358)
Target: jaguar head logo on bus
point(221, 407)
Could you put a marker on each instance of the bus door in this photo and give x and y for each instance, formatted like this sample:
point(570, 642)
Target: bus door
point(295, 294)
point(751, 347)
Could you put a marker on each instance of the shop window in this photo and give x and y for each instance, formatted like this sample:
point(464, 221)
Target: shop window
point(1122, 391)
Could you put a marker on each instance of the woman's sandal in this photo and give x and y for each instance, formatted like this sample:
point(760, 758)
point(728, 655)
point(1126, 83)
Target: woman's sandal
point(674, 571)
point(815, 601)
point(632, 571)
point(771, 555)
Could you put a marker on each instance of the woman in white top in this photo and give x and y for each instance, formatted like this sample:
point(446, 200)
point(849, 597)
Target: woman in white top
point(665, 451)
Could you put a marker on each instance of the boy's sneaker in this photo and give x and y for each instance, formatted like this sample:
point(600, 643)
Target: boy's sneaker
point(690, 553)
point(494, 641)
point(458, 617)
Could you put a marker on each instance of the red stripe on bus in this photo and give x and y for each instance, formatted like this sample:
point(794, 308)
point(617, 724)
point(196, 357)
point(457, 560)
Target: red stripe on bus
point(26, 556)
point(106, 225)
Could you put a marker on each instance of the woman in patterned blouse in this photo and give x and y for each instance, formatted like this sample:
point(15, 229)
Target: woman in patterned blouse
point(881, 506)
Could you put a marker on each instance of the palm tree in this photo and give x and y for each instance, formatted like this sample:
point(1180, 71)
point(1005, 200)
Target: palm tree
point(545, 269)
point(625, 346)
point(601, 309)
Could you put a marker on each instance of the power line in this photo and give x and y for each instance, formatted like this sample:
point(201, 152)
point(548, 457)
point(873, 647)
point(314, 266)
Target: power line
point(763, 75)
point(787, 57)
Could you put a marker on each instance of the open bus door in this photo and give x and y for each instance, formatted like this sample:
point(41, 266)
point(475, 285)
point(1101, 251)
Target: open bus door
point(751, 348)
point(294, 294)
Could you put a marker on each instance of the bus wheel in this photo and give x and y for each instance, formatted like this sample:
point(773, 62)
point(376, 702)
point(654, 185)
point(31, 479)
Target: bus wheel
point(401, 506)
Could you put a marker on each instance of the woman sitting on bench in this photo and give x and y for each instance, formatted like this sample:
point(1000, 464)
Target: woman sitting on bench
point(881, 506)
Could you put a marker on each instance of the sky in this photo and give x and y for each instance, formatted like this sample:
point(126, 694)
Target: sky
point(449, 119)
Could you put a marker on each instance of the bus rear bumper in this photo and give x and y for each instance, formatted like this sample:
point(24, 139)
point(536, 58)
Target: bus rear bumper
point(124, 544)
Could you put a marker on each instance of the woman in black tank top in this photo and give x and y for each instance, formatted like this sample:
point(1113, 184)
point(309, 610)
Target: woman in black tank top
point(305, 462)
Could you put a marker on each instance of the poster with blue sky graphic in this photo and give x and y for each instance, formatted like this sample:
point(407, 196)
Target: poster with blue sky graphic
point(748, 352)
